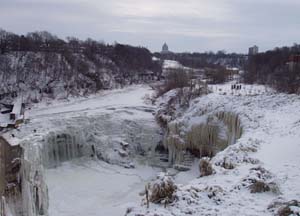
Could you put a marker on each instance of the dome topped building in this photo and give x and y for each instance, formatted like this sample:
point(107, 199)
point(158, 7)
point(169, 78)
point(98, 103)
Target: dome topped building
point(165, 48)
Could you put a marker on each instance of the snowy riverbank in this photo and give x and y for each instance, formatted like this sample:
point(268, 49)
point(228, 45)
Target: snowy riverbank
point(268, 151)
point(119, 127)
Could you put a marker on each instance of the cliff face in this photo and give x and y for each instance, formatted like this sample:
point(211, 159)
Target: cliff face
point(36, 75)
point(39, 65)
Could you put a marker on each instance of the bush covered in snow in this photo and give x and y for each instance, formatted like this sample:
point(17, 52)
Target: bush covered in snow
point(162, 189)
point(205, 167)
point(280, 207)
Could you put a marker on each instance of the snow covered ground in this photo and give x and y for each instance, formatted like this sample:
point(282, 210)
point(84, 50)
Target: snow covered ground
point(269, 151)
point(130, 97)
point(129, 103)
point(170, 64)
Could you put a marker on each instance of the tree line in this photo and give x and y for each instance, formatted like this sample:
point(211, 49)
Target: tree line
point(206, 59)
point(128, 58)
point(272, 68)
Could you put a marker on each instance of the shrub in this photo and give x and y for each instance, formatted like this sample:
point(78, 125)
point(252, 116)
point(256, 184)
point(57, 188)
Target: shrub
point(259, 187)
point(280, 207)
point(205, 167)
point(287, 210)
point(162, 189)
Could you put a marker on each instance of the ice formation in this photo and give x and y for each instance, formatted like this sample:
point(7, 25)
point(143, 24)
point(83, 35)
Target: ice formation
point(34, 189)
point(117, 135)
point(269, 123)
point(206, 138)
point(63, 146)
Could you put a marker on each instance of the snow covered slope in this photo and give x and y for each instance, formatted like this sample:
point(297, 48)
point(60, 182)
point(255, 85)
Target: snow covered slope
point(58, 75)
point(119, 127)
point(268, 151)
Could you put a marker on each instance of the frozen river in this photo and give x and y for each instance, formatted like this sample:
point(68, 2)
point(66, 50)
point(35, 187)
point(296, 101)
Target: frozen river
point(88, 186)
point(95, 188)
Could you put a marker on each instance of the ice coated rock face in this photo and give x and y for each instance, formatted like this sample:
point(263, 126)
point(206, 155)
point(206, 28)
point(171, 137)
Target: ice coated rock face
point(35, 199)
point(94, 137)
point(57, 147)
point(26, 194)
point(203, 132)
point(208, 135)
point(100, 137)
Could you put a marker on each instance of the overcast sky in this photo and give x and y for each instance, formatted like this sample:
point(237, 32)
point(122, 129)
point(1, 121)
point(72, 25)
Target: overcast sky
point(186, 25)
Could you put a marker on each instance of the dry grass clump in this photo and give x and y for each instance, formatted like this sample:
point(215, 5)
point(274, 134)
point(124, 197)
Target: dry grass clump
point(205, 167)
point(259, 187)
point(260, 180)
point(287, 208)
point(226, 164)
point(282, 208)
point(162, 189)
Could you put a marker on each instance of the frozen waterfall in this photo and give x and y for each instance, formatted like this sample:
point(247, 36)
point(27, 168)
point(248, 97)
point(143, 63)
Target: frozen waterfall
point(204, 139)
point(63, 146)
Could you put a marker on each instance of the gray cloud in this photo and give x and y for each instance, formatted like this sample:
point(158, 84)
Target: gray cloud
point(190, 25)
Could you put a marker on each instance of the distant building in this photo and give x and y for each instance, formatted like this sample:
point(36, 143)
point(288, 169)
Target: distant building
point(165, 49)
point(253, 50)
point(12, 115)
point(232, 73)
point(294, 60)
point(148, 76)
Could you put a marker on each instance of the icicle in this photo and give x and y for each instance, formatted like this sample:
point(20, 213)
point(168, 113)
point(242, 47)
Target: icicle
point(34, 189)
point(205, 138)
point(4, 209)
point(64, 146)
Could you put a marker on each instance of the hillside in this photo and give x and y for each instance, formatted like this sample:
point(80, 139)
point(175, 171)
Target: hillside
point(257, 175)
point(41, 65)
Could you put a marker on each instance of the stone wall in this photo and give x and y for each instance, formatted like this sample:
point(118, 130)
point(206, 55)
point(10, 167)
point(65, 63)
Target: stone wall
point(10, 188)
point(2, 167)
